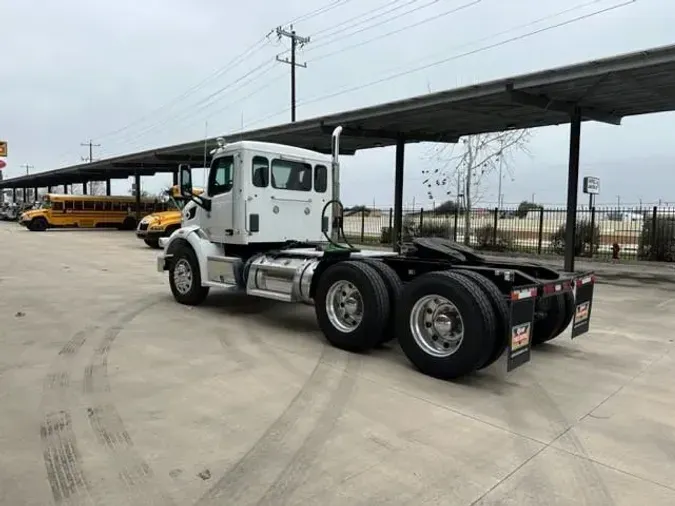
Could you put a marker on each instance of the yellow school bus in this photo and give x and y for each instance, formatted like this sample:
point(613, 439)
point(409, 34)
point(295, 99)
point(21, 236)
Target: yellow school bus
point(164, 223)
point(88, 211)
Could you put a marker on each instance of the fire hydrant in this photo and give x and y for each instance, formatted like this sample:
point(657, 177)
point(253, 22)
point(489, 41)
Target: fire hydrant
point(615, 252)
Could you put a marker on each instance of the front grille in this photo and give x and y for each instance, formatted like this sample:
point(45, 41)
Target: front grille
point(143, 226)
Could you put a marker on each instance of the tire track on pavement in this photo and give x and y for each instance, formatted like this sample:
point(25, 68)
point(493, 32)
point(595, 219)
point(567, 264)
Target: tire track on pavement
point(67, 479)
point(295, 474)
point(107, 424)
point(278, 461)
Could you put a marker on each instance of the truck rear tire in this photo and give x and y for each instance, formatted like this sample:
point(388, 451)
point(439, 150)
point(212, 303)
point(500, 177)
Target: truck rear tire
point(556, 321)
point(394, 288)
point(185, 278)
point(551, 326)
point(352, 305)
point(445, 324)
point(501, 310)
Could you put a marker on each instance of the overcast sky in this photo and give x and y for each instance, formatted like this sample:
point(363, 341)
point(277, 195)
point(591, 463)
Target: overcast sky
point(74, 70)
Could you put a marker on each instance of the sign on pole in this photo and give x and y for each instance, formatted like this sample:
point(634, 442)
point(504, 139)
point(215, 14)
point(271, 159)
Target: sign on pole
point(592, 188)
point(3, 148)
point(592, 185)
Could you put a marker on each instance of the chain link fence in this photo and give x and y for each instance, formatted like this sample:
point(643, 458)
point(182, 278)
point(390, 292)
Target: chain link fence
point(636, 233)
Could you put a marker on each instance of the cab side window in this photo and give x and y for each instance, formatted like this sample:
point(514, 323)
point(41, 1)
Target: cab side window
point(291, 175)
point(261, 172)
point(221, 176)
point(320, 178)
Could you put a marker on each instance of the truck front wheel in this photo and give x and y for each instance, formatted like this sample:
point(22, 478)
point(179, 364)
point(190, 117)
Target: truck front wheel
point(185, 278)
point(445, 325)
point(352, 305)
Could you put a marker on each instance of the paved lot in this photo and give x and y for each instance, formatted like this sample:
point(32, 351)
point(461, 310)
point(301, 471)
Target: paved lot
point(113, 394)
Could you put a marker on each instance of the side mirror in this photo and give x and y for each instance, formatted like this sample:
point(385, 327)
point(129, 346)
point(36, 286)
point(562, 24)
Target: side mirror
point(185, 180)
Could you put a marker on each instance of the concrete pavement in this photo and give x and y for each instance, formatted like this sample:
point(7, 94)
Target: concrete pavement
point(112, 393)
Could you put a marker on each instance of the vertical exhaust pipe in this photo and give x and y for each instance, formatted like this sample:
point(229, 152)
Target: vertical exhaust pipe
point(335, 178)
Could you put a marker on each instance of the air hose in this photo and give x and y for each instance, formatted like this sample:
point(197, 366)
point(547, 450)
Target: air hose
point(340, 229)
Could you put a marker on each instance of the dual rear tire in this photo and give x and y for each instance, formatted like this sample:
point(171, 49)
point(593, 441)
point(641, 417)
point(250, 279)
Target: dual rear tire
point(448, 323)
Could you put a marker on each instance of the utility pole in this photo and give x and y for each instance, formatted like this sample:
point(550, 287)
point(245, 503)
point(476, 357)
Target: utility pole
point(28, 168)
point(295, 40)
point(91, 156)
point(91, 150)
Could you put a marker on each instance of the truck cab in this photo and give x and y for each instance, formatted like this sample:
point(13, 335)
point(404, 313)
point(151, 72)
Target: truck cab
point(264, 193)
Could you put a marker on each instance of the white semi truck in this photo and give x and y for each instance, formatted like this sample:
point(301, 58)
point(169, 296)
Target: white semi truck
point(269, 225)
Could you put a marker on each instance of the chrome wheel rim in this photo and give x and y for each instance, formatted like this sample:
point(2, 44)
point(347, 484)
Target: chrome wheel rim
point(437, 326)
point(344, 306)
point(182, 276)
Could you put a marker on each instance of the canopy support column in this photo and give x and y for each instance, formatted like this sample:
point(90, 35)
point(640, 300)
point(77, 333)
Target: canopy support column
point(398, 194)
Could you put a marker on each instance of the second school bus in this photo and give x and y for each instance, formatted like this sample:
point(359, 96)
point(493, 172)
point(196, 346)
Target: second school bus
point(88, 211)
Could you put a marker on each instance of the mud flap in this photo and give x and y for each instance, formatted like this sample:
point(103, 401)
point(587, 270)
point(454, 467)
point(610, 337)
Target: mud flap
point(522, 321)
point(583, 302)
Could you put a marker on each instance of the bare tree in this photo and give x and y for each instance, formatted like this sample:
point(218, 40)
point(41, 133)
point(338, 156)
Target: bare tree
point(97, 188)
point(468, 164)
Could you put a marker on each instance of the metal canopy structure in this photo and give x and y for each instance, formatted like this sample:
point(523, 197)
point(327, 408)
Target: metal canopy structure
point(604, 90)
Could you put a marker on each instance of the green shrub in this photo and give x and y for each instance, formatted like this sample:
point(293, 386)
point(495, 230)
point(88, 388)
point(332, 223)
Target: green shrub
point(386, 236)
point(657, 240)
point(524, 207)
point(584, 237)
point(351, 211)
point(429, 227)
point(488, 240)
point(448, 207)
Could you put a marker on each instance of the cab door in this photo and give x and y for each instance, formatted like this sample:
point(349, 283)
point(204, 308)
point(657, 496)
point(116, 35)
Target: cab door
point(219, 221)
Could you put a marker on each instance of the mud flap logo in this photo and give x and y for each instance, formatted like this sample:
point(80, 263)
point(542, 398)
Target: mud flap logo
point(520, 337)
point(581, 313)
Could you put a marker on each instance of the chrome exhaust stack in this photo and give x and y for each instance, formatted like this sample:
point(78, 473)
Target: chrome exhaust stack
point(335, 175)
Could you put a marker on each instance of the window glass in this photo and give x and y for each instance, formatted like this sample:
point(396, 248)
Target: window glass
point(88, 205)
point(221, 176)
point(320, 178)
point(291, 175)
point(57, 206)
point(261, 172)
point(77, 205)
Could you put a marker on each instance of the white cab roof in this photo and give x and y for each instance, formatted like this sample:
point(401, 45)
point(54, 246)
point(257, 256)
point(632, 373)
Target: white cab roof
point(271, 147)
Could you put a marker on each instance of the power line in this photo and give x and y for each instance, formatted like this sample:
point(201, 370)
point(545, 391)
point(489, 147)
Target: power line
point(342, 36)
point(226, 107)
point(399, 30)
point(317, 12)
point(208, 101)
point(452, 58)
point(252, 49)
point(295, 40)
point(577, 7)
point(255, 47)
point(348, 21)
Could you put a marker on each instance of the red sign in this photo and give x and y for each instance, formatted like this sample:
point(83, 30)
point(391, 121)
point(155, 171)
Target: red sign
point(3, 164)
